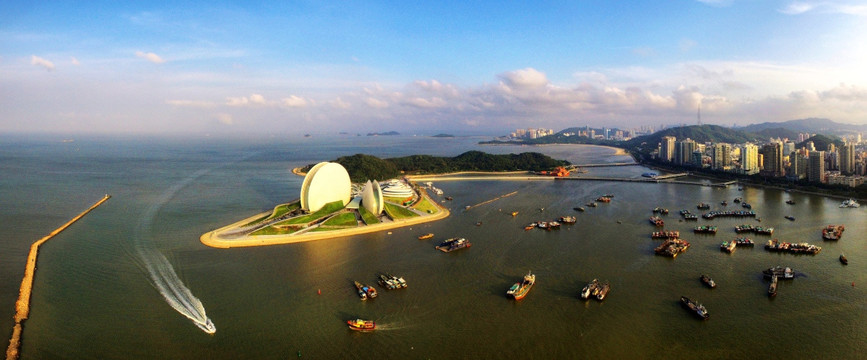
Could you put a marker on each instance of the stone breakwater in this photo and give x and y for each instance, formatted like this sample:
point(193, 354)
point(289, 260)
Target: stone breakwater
point(22, 306)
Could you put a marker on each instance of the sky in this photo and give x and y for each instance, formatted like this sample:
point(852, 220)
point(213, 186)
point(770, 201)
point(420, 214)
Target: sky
point(292, 67)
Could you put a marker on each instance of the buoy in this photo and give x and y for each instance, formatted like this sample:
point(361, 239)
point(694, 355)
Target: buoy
point(853, 284)
point(319, 292)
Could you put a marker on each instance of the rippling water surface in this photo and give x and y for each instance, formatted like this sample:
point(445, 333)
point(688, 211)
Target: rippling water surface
point(93, 299)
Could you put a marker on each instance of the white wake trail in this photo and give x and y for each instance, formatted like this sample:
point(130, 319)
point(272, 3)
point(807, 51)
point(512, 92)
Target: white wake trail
point(160, 271)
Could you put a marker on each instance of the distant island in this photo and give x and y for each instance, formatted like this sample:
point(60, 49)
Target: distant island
point(390, 133)
point(443, 136)
point(363, 167)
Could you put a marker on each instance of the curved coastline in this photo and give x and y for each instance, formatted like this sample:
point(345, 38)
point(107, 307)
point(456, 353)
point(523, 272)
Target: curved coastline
point(216, 240)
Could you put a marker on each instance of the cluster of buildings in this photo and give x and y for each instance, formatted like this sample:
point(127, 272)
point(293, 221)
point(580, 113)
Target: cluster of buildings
point(531, 133)
point(777, 158)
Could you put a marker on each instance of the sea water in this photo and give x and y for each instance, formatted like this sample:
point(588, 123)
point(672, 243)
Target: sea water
point(93, 297)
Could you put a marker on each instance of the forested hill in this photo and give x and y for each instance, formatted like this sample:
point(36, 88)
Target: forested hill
point(699, 133)
point(363, 167)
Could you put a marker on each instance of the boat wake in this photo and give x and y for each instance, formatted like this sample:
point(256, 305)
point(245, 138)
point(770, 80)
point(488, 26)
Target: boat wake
point(160, 271)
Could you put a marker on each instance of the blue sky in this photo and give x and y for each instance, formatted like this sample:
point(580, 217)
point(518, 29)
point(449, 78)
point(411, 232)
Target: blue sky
point(476, 66)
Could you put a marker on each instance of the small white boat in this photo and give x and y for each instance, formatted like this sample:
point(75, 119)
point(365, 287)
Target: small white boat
point(850, 203)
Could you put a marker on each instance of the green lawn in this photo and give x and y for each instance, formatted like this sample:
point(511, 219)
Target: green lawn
point(270, 230)
point(368, 216)
point(426, 206)
point(397, 212)
point(283, 209)
point(344, 220)
point(325, 210)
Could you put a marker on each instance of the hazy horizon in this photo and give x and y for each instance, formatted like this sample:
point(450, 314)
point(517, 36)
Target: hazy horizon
point(468, 68)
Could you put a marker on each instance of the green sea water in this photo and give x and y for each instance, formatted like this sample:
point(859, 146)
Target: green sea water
point(93, 298)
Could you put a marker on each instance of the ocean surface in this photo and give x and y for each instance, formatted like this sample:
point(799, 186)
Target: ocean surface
point(101, 290)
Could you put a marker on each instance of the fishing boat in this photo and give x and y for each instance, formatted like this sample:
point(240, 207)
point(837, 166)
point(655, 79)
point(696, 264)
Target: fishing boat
point(426, 236)
point(772, 289)
point(844, 260)
point(589, 289)
point(603, 291)
point(530, 226)
point(850, 203)
point(360, 288)
point(656, 221)
point(398, 279)
point(453, 244)
point(514, 213)
point(696, 308)
point(568, 219)
point(578, 208)
point(705, 229)
point(789, 217)
point(728, 246)
point(359, 324)
point(708, 281)
point(520, 289)
point(790, 202)
point(784, 273)
point(388, 282)
point(703, 206)
point(832, 232)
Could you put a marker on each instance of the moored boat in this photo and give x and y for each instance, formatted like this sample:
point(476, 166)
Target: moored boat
point(520, 289)
point(784, 273)
point(705, 229)
point(387, 282)
point(360, 288)
point(657, 221)
point(671, 234)
point(772, 289)
point(398, 279)
point(832, 232)
point(844, 260)
point(728, 246)
point(789, 217)
point(744, 241)
point(696, 308)
point(359, 324)
point(703, 206)
point(850, 203)
point(603, 291)
point(589, 289)
point(708, 281)
point(579, 208)
point(672, 247)
point(790, 202)
point(453, 244)
point(568, 219)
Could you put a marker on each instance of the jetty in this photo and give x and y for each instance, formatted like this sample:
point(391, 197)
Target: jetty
point(22, 306)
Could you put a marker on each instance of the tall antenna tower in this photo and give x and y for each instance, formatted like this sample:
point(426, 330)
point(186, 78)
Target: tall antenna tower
point(699, 112)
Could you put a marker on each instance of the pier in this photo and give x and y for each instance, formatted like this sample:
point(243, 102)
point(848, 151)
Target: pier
point(22, 306)
point(492, 200)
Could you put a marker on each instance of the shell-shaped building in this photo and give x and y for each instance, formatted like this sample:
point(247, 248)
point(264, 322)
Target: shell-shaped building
point(371, 197)
point(324, 183)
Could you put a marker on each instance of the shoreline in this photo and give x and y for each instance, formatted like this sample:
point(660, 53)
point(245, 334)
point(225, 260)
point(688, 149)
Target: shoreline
point(213, 238)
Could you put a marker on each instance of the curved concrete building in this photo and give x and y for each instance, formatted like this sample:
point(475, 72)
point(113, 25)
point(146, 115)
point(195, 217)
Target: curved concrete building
point(398, 189)
point(371, 197)
point(326, 182)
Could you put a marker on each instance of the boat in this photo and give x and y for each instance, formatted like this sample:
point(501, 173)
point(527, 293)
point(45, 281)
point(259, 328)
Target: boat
point(520, 289)
point(426, 236)
point(660, 210)
point(708, 281)
point(610, 196)
point(568, 219)
point(703, 206)
point(672, 247)
point(795, 248)
point(479, 223)
point(850, 203)
point(844, 260)
point(772, 289)
point(399, 279)
point(748, 206)
point(578, 208)
point(589, 289)
point(833, 232)
point(744, 241)
point(530, 226)
point(453, 244)
point(359, 324)
point(671, 234)
point(603, 199)
point(656, 221)
point(790, 202)
point(728, 246)
point(724, 203)
point(542, 225)
point(387, 282)
point(651, 175)
point(553, 225)
point(784, 273)
point(603, 291)
point(696, 308)
point(738, 199)
point(449, 198)
point(705, 229)
point(789, 217)
point(360, 288)
point(514, 213)
point(591, 204)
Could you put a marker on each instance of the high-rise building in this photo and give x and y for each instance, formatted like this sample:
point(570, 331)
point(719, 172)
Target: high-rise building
point(847, 159)
point(683, 152)
point(750, 159)
point(666, 149)
point(816, 167)
point(773, 160)
point(721, 156)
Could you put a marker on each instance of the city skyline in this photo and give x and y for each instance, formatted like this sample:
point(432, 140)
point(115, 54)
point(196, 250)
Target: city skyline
point(299, 67)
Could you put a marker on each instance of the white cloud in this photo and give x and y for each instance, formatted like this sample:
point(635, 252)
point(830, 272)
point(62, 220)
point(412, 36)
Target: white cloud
point(524, 79)
point(74, 61)
point(224, 119)
point(154, 58)
point(829, 7)
point(796, 8)
point(257, 99)
point(191, 103)
point(294, 101)
point(339, 103)
point(38, 61)
point(376, 103)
